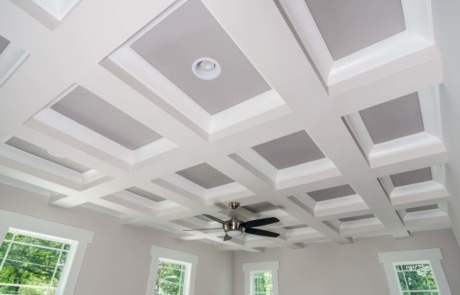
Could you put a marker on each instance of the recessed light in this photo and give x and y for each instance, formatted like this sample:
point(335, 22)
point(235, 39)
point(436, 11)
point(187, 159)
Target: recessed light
point(54, 154)
point(206, 68)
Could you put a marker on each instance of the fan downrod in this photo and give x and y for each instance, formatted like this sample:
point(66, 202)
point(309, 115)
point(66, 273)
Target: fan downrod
point(234, 205)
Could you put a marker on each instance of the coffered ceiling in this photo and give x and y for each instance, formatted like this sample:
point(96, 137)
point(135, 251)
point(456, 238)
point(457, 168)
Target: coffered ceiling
point(326, 115)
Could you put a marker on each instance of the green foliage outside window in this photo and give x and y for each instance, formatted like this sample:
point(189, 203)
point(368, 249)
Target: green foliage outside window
point(170, 278)
point(416, 279)
point(263, 284)
point(30, 265)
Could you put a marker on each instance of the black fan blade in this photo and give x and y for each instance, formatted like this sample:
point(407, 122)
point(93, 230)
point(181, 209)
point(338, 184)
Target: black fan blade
point(214, 218)
point(261, 232)
point(202, 229)
point(260, 222)
point(227, 237)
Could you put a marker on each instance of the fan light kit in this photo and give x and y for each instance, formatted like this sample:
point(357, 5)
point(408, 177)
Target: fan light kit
point(206, 68)
point(235, 227)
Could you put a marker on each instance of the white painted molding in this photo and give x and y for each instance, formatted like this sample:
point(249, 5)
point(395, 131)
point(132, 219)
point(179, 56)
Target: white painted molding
point(222, 193)
point(405, 148)
point(360, 227)
point(292, 176)
point(261, 108)
point(49, 12)
point(10, 60)
point(305, 173)
point(330, 208)
point(189, 259)
point(50, 119)
point(418, 194)
point(372, 62)
point(432, 256)
point(80, 238)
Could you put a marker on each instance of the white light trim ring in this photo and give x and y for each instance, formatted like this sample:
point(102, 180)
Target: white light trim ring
point(206, 68)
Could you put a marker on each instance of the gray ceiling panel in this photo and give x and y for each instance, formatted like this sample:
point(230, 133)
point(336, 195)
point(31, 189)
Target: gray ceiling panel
point(260, 207)
point(290, 150)
point(145, 194)
point(332, 193)
point(89, 110)
point(42, 153)
point(394, 119)
point(411, 177)
point(354, 218)
point(351, 25)
point(205, 176)
point(189, 33)
point(3, 44)
point(422, 208)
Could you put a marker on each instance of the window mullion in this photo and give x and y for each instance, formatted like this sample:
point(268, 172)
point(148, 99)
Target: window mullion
point(7, 252)
point(56, 267)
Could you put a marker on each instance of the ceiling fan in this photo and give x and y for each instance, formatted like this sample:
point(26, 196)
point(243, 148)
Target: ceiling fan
point(235, 227)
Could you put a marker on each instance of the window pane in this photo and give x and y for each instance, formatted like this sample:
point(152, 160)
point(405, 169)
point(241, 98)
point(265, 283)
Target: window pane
point(415, 281)
point(170, 278)
point(416, 277)
point(402, 281)
point(431, 281)
point(31, 261)
point(37, 241)
point(262, 283)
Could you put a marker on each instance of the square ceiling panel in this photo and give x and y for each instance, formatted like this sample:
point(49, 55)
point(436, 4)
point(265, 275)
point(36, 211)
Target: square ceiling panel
point(394, 119)
point(145, 194)
point(3, 44)
point(355, 218)
point(291, 150)
point(44, 154)
point(260, 207)
point(205, 176)
point(411, 177)
point(348, 26)
point(422, 208)
point(89, 110)
point(332, 193)
point(187, 34)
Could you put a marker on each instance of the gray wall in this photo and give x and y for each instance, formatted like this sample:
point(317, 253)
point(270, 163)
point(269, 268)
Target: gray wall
point(118, 259)
point(332, 269)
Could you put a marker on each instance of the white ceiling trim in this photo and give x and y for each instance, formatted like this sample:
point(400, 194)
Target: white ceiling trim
point(358, 68)
point(49, 12)
point(10, 60)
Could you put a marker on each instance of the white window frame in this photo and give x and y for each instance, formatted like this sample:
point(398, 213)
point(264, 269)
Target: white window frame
point(190, 260)
point(431, 256)
point(77, 237)
point(251, 268)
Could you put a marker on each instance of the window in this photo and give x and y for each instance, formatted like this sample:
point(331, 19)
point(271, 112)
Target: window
point(261, 278)
point(262, 283)
point(171, 277)
point(417, 272)
point(39, 257)
point(33, 264)
point(171, 272)
point(416, 277)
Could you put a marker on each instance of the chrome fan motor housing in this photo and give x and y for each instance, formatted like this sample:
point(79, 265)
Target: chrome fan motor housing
point(232, 225)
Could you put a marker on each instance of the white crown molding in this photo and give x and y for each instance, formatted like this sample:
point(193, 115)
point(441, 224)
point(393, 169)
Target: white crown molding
point(261, 108)
point(370, 63)
point(49, 12)
point(10, 60)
